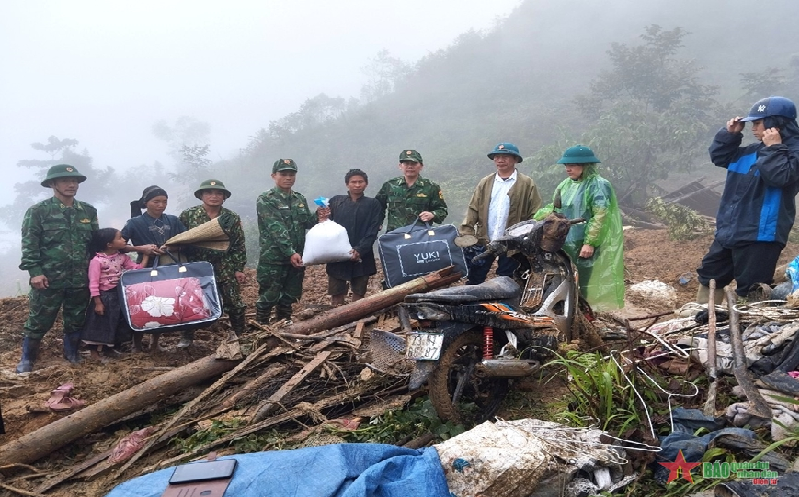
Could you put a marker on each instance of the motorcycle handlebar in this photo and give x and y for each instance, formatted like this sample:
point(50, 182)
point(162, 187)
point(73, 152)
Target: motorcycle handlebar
point(495, 248)
point(492, 249)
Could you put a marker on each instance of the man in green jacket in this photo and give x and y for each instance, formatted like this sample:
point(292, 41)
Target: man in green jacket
point(228, 265)
point(55, 238)
point(409, 197)
point(501, 199)
point(283, 217)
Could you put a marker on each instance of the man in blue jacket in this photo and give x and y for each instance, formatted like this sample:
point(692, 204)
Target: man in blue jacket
point(757, 207)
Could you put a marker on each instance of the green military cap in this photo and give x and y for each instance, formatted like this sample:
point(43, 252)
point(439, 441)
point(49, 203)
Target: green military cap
point(62, 171)
point(578, 154)
point(211, 184)
point(284, 165)
point(411, 155)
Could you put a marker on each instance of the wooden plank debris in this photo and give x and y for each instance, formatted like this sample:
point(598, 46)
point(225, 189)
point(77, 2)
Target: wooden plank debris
point(266, 406)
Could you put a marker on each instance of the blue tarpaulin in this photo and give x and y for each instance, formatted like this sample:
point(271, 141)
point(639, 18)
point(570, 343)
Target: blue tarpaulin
point(342, 470)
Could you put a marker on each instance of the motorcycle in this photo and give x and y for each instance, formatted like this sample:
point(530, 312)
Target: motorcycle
point(471, 342)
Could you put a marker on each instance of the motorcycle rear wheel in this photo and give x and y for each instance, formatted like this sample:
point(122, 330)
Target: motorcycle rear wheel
point(457, 392)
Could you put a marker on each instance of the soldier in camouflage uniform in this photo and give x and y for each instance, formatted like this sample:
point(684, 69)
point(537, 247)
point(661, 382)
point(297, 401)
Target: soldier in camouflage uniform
point(283, 217)
point(408, 197)
point(229, 265)
point(55, 238)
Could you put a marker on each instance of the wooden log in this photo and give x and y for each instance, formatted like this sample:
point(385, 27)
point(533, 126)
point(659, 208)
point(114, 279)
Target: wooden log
point(57, 434)
point(356, 310)
point(187, 408)
point(757, 404)
point(710, 403)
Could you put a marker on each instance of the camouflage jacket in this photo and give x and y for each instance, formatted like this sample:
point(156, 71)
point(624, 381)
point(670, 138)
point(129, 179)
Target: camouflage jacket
point(282, 221)
point(226, 264)
point(55, 242)
point(403, 205)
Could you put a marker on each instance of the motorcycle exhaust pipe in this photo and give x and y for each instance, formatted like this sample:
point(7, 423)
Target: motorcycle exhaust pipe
point(508, 368)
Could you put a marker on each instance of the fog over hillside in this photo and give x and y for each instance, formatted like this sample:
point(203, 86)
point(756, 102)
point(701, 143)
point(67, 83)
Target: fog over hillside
point(181, 92)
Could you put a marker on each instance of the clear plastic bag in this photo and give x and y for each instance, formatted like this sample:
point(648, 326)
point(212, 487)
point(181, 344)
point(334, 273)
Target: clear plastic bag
point(326, 242)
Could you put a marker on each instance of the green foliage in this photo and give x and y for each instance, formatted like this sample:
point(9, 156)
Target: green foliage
point(221, 428)
point(218, 429)
point(193, 165)
point(601, 393)
point(771, 81)
point(648, 74)
point(683, 223)
point(98, 186)
point(652, 116)
point(385, 72)
point(54, 147)
point(402, 424)
point(545, 170)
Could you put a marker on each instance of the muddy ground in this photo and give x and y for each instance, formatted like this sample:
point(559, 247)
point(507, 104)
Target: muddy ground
point(649, 254)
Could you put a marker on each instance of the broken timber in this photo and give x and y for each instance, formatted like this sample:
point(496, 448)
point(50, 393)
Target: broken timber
point(369, 305)
point(266, 406)
point(57, 434)
point(710, 403)
point(757, 404)
point(35, 445)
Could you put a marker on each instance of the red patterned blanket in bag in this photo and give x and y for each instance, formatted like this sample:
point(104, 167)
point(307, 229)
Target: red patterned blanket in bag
point(162, 303)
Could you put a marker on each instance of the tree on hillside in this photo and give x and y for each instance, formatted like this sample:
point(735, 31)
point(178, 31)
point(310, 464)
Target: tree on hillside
point(651, 114)
point(773, 81)
point(188, 140)
point(185, 131)
point(314, 112)
point(385, 73)
point(96, 189)
point(193, 164)
point(648, 74)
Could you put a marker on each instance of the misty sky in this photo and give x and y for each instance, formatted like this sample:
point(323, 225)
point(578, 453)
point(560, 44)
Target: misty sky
point(103, 72)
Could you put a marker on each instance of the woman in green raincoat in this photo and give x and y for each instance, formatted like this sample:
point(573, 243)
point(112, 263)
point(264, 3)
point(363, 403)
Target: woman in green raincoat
point(596, 246)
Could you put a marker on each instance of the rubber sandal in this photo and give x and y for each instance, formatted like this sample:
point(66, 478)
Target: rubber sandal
point(61, 401)
point(63, 389)
point(66, 404)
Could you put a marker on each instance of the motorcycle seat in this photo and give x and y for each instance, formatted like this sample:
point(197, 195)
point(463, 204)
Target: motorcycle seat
point(501, 287)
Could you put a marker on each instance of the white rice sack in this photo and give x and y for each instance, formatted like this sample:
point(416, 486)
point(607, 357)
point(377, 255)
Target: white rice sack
point(326, 242)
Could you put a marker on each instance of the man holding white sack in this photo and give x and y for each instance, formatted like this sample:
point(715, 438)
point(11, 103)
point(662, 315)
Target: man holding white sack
point(283, 217)
point(362, 217)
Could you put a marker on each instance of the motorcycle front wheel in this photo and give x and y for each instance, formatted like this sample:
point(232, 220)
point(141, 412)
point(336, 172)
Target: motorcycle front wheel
point(457, 391)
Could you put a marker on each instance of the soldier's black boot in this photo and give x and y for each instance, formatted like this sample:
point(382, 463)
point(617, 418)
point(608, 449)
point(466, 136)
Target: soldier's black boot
point(30, 352)
point(72, 346)
point(283, 313)
point(237, 322)
point(186, 339)
point(262, 314)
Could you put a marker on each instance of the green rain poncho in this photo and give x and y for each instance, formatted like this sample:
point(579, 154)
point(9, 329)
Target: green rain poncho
point(601, 277)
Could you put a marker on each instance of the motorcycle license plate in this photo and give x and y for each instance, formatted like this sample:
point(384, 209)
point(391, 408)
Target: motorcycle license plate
point(424, 346)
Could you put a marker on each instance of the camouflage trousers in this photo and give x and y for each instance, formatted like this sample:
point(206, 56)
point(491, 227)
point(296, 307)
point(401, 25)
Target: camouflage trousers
point(44, 306)
point(232, 303)
point(278, 285)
